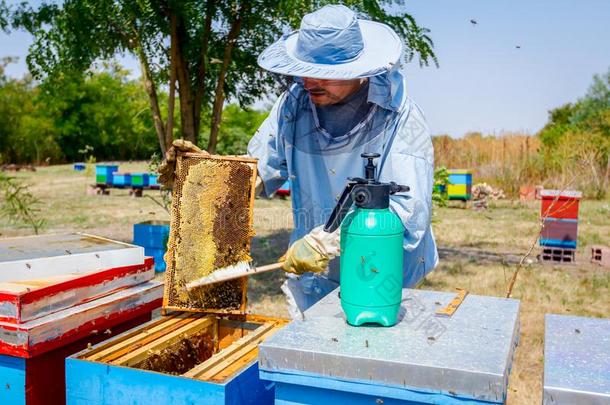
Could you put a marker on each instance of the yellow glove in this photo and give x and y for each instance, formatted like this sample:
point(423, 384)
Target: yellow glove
point(312, 252)
point(167, 169)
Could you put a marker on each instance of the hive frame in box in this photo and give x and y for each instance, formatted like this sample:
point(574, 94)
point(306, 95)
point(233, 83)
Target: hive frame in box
point(116, 372)
point(181, 172)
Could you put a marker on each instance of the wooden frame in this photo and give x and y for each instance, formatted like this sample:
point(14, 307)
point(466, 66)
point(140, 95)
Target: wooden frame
point(170, 271)
point(238, 350)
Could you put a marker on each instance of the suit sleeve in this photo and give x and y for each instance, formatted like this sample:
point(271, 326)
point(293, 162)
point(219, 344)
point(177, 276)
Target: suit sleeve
point(267, 146)
point(410, 162)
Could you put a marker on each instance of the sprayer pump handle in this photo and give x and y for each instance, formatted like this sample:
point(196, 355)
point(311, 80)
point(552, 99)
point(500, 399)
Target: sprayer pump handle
point(369, 167)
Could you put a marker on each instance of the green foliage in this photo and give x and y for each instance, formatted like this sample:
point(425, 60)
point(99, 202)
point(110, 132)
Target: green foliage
point(439, 192)
point(18, 204)
point(576, 141)
point(74, 117)
point(103, 110)
point(237, 127)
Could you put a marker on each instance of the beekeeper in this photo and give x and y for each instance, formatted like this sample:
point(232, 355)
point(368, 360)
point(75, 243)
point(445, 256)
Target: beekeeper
point(347, 97)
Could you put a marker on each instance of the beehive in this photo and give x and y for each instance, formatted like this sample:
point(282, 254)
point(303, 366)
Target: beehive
point(460, 185)
point(182, 358)
point(211, 228)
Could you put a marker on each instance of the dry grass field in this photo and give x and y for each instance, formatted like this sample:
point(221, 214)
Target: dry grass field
point(506, 228)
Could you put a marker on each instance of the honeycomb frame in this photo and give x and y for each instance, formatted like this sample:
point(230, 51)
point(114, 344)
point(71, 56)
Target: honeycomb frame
point(207, 192)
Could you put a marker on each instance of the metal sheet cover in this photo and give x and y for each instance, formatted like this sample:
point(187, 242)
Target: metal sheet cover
point(45, 246)
point(468, 355)
point(576, 360)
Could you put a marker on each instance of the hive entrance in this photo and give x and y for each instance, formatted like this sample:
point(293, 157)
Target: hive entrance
point(211, 228)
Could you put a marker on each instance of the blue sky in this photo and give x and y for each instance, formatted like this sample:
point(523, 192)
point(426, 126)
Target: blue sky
point(484, 83)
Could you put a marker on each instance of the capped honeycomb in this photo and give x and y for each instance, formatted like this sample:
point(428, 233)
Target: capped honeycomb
point(211, 228)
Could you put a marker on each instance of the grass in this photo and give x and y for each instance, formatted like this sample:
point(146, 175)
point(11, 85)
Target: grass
point(507, 227)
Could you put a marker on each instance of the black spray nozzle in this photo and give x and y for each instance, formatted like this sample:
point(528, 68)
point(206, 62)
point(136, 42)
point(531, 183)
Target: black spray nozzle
point(369, 167)
point(366, 193)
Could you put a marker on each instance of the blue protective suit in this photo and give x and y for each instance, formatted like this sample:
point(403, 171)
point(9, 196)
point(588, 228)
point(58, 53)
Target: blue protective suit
point(290, 144)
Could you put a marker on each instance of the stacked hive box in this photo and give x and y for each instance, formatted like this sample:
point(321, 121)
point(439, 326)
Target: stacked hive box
point(152, 181)
point(139, 180)
point(559, 211)
point(121, 180)
point(58, 295)
point(460, 185)
point(152, 236)
point(104, 174)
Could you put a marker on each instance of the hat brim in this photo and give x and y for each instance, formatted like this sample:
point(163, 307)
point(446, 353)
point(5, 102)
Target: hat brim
point(382, 49)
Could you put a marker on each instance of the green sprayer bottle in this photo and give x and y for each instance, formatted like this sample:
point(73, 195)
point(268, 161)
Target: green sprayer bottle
point(371, 263)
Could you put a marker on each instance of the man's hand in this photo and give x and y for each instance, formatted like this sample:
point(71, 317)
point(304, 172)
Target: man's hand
point(313, 252)
point(168, 167)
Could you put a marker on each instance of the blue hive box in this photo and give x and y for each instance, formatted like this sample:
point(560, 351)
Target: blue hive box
point(152, 236)
point(104, 173)
point(120, 370)
point(139, 180)
point(121, 180)
point(79, 167)
point(152, 180)
point(460, 185)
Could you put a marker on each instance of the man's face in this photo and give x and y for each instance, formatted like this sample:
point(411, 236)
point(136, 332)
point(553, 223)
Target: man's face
point(327, 92)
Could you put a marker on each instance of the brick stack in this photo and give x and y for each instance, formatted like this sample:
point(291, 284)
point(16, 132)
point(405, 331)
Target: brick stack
point(58, 295)
point(558, 239)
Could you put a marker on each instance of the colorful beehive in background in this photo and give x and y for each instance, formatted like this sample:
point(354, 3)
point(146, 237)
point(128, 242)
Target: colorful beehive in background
point(460, 185)
point(152, 236)
point(284, 191)
point(79, 167)
point(139, 180)
point(152, 180)
point(576, 360)
point(103, 173)
point(58, 295)
point(423, 359)
point(559, 210)
point(121, 180)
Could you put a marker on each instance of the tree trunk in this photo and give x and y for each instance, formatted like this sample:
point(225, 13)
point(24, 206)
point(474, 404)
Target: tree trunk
point(187, 116)
point(202, 68)
point(169, 131)
point(220, 97)
point(151, 90)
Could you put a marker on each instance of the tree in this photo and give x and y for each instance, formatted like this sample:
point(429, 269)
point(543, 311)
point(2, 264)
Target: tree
point(102, 109)
point(53, 121)
point(576, 139)
point(205, 49)
point(236, 129)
